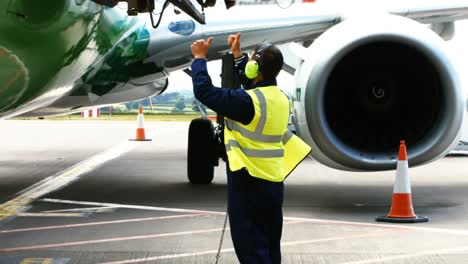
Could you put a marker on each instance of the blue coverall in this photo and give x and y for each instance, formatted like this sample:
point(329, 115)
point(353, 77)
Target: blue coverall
point(254, 204)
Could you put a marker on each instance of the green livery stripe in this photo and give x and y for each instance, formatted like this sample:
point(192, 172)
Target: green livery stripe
point(13, 78)
point(50, 47)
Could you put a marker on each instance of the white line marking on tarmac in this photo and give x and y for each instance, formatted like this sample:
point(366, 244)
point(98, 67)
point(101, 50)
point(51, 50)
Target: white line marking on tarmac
point(413, 255)
point(118, 239)
point(138, 207)
point(92, 209)
point(99, 223)
point(107, 240)
point(172, 256)
point(397, 227)
point(310, 220)
point(61, 179)
point(227, 250)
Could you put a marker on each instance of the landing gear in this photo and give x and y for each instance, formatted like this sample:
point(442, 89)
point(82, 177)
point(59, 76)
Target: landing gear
point(201, 153)
point(206, 142)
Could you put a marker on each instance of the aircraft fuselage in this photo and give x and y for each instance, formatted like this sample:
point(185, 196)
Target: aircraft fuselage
point(58, 56)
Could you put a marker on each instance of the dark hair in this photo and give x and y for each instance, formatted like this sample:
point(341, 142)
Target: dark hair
point(270, 61)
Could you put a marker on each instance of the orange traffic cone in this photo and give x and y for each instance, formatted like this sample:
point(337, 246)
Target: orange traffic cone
point(140, 132)
point(402, 205)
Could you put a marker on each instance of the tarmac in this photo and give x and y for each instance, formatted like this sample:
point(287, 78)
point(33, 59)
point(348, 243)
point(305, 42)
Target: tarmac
point(81, 192)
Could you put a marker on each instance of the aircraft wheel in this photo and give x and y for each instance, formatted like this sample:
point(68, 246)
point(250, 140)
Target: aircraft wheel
point(201, 152)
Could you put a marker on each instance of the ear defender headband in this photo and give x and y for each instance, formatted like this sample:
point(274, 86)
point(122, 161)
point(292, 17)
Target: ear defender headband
point(252, 68)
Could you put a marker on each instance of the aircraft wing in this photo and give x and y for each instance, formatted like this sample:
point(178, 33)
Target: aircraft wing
point(431, 12)
point(301, 22)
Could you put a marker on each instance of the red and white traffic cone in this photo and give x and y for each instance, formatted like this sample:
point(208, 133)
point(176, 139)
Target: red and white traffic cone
point(140, 132)
point(402, 205)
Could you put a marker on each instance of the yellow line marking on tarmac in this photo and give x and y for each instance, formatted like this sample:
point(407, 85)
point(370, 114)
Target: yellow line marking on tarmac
point(46, 215)
point(37, 261)
point(412, 255)
point(59, 180)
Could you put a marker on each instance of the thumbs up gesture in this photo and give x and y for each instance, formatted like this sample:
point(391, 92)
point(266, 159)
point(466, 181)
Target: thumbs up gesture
point(234, 43)
point(200, 48)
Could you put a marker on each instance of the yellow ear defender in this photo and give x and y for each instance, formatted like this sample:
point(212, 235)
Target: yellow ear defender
point(251, 69)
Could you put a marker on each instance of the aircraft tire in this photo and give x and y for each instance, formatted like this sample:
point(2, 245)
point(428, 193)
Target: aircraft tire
point(201, 152)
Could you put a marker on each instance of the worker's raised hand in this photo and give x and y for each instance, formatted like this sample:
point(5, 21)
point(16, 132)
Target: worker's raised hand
point(234, 43)
point(200, 48)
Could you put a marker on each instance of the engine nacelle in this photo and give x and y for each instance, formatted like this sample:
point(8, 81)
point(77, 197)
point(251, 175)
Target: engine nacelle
point(366, 84)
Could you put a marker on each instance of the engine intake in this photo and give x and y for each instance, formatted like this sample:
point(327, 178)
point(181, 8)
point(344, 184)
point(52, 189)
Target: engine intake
point(369, 86)
point(382, 92)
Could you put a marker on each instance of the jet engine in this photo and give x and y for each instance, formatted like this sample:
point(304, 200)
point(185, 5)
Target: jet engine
point(368, 83)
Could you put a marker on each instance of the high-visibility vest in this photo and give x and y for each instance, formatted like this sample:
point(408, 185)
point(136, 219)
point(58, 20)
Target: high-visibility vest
point(265, 146)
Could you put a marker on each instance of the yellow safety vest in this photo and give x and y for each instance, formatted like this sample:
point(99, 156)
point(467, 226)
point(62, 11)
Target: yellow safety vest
point(265, 146)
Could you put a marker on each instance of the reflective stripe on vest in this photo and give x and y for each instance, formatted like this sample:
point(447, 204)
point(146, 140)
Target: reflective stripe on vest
point(256, 153)
point(252, 135)
point(258, 134)
point(263, 112)
point(287, 136)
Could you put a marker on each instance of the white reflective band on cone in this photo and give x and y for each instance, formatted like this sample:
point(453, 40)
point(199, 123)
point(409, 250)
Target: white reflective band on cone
point(140, 121)
point(402, 183)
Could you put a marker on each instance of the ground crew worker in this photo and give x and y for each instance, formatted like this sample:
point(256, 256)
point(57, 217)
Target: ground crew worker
point(261, 151)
